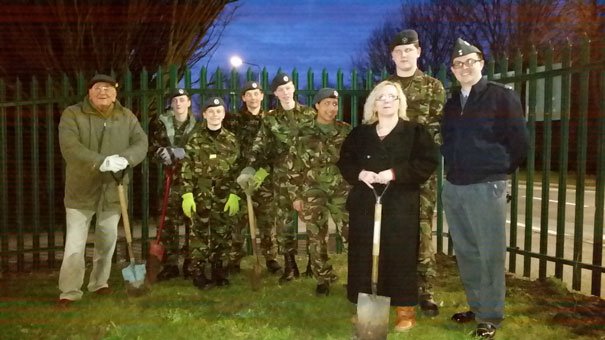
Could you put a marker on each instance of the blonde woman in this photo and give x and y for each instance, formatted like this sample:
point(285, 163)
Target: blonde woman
point(392, 156)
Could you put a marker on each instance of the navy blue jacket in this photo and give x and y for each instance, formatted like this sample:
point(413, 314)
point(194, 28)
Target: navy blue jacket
point(488, 139)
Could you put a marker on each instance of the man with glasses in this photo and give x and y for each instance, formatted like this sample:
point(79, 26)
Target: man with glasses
point(425, 97)
point(484, 141)
point(98, 137)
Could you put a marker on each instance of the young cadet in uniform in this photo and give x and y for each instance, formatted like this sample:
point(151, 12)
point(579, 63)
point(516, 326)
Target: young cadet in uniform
point(245, 125)
point(484, 140)
point(168, 134)
point(273, 147)
point(323, 191)
point(209, 200)
point(425, 97)
point(97, 136)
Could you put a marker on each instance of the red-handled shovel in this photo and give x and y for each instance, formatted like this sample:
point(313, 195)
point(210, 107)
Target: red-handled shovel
point(156, 248)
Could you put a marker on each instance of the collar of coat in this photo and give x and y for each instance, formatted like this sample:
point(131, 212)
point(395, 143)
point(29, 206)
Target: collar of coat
point(168, 119)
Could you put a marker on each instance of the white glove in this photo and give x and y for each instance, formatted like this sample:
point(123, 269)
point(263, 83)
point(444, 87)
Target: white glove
point(164, 155)
point(178, 153)
point(368, 177)
point(245, 179)
point(113, 163)
point(385, 176)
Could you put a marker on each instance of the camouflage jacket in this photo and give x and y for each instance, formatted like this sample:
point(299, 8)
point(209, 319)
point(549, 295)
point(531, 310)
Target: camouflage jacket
point(275, 141)
point(318, 150)
point(210, 163)
point(245, 126)
point(425, 97)
point(164, 133)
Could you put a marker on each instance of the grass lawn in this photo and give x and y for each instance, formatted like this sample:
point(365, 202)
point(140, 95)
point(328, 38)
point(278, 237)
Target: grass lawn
point(177, 310)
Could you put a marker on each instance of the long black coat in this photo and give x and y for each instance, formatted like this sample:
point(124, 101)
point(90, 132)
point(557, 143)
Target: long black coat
point(410, 151)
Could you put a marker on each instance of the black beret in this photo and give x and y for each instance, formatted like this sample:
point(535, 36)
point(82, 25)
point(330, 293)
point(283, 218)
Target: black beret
point(280, 79)
point(462, 48)
point(324, 93)
point(404, 37)
point(212, 102)
point(251, 85)
point(102, 78)
point(179, 92)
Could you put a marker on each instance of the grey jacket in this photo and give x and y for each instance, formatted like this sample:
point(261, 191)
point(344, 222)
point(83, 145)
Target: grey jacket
point(86, 137)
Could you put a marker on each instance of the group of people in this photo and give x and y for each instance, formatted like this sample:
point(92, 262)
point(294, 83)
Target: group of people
point(298, 158)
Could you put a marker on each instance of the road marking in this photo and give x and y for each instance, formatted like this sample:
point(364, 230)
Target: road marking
point(550, 232)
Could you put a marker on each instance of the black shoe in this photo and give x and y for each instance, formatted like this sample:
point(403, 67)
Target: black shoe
point(485, 331)
point(322, 289)
point(219, 275)
point(290, 270)
point(464, 317)
point(273, 266)
point(308, 272)
point(428, 306)
point(168, 272)
point(201, 281)
point(187, 271)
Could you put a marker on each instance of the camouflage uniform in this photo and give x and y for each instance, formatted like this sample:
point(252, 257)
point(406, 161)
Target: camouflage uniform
point(165, 131)
point(208, 173)
point(323, 191)
point(273, 146)
point(245, 126)
point(425, 98)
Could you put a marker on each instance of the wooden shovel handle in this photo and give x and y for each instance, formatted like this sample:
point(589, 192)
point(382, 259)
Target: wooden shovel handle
point(126, 221)
point(252, 223)
point(376, 245)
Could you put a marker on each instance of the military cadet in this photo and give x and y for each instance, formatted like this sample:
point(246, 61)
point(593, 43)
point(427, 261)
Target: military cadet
point(323, 191)
point(245, 125)
point(168, 134)
point(425, 97)
point(209, 200)
point(273, 147)
point(484, 140)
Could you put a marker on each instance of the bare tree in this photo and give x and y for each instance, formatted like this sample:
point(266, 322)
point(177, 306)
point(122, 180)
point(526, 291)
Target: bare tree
point(57, 36)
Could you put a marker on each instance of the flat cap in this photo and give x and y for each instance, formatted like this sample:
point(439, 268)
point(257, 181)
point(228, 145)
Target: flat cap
point(462, 48)
point(251, 85)
point(212, 102)
point(179, 92)
point(280, 79)
point(102, 78)
point(404, 37)
point(324, 93)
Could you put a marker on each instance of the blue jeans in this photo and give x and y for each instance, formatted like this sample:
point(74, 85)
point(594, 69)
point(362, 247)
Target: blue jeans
point(476, 216)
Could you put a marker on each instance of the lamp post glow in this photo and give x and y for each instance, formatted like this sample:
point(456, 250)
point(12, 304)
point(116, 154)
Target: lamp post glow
point(236, 62)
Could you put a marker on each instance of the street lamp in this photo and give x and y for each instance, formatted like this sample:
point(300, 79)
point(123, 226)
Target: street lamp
point(236, 62)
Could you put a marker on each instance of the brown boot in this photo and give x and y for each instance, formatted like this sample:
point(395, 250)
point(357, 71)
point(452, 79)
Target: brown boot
point(406, 318)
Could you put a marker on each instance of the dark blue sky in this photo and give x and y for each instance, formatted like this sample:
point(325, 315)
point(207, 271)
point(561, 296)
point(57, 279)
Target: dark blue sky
point(300, 34)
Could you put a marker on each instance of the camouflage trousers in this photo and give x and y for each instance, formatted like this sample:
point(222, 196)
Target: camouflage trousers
point(286, 220)
point(211, 232)
point(175, 218)
point(318, 206)
point(265, 221)
point(426, 250)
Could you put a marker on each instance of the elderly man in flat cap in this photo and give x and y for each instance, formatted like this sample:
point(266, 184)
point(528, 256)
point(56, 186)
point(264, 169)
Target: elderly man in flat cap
point(273, 149)
point(245, 125)
point(169, 132)
point(425, 97)
point(484, 141)
point(322, 191)
point(210, 199)
point(98, 137)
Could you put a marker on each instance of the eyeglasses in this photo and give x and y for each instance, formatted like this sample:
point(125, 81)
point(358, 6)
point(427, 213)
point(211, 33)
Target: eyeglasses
point(387, 98)
point(99, 89)
point(467, 63)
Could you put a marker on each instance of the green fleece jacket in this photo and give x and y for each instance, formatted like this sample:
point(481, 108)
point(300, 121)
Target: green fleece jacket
point(86, 137)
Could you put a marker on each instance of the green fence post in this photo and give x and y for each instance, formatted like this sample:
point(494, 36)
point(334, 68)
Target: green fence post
point(514, 204)
point(531, 156)
point(597, 250)
point(19, 178)
point(354, 98)
point(144, 103)
point(340, 88)
point(50, 170)
point(581, 162)
point(3, 181)
point(35, 166)
point(310, 87)
point(563, 157)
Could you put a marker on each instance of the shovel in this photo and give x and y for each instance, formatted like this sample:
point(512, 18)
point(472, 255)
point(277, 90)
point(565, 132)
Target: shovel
point(244, 180)
point(133, 274)
point(156, 248)
point(373, 310)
